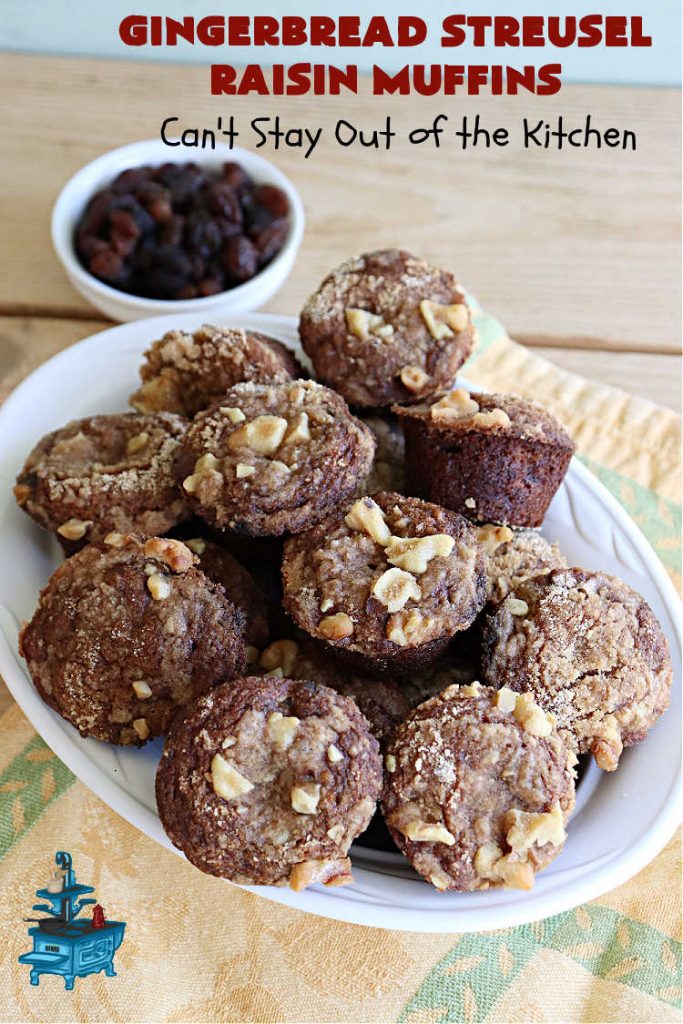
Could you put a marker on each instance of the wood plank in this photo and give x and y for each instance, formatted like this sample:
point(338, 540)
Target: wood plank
point(579, 245)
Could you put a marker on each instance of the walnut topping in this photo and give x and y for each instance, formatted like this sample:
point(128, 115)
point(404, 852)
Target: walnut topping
point(334, 754)
point(137, 442)
point(116, 540)
point(415, 553)
point(204, 462)
point(506, 699)
point(486, 857)
point(525, 828)
point(226, 780)
point(413, 378)
point(305, 797)
point(242, 470)
point(300, 431)
point(326, 604)
point(197, 544)
point(491, 418)
point(363, 324)
point(607, 748)
point(262, 435)
point(395, 588)
point(234, 415)
point(176, 555)
point(455, 405)
point(74, 529)
point(141, 728)
point(280, 654)
point(390, 763)
point(282, 729)
point(516, 606)
point(336, 833)
point(329, 872)
point(491, 536)
point(404, 630)
point(158, 586)
point(142, 690)
point(422, 832)
point(531, 717)
point(282, 467)
point(336, 627)
point(367, 517)
point(489, 863)
point(204, 469)
point(444, 321)
point(22, 492)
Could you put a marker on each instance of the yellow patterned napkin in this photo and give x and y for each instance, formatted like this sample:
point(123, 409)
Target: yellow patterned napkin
point(197, 949)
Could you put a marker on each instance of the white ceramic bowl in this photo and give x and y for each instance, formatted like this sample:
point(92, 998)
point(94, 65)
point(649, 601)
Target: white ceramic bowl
point(621, 820)
point(122, 306)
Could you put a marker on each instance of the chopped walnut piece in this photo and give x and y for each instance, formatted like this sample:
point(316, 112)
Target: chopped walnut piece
point(173, 553)
point(196, 544)
point(363, 324)
point(234, 414)
point(334, 754)
point(516, 606)
point(413, 378)
point(415, 553)
point(444, 321)
point(336, 833)
point(74, 529)
point(491, 536)
point(226, 780)
point(243, 470)
point(455, 405)
point(525, 828)
point(485, 859)
point(531, 717)
point(142, 690)
point(204, 462)
point(515, 874)
point(394, 588)
point(423, 832)
point(22, 492)
point(329, 872)
point(116, 540)
point(282, 729)
point(137, 442)
point(141, 728)
point(390, 763)
point(491, 418)
point(305, 797)
point(404, 630)
point(607, 747)
point(336, 627)
point(280, 654)
point(367, 517)
point(506, 699)
point(300, 431)
point(262, 435)
point(158, 586)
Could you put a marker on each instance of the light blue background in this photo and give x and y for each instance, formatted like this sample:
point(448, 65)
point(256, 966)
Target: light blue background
point(90, 27)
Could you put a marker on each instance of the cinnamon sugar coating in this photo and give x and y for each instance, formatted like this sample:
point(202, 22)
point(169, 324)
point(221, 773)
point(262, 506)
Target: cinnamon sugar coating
point(267, 781)
point(186, 372)
point(392, 356)
point(590, 650)
point(474, 796)
point(125, 633)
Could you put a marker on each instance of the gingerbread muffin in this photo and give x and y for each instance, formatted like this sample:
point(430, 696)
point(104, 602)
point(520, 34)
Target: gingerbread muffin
point(386, 473)
point(273, 458)
point(386, 583)
point(387, 327)
point(590, 650)
point(382, 701)
point(126, 633)
point(239, 585)
point(102, 474)
point(478, 788)
point(185, 373)
point(513, 556)
point(494, 458)
point(268, 781)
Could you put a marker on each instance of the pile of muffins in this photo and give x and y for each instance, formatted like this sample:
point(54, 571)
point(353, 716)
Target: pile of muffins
point(331, 593)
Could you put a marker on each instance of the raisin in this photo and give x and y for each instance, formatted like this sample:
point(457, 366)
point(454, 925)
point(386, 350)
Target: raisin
point(270, 240)
point(273, 200)
point(107, 264)
point(236, 177)
point(240, 258)
point(222, 201)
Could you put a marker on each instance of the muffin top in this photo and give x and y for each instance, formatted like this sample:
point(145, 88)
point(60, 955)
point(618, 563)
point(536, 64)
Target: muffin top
point(514, 555)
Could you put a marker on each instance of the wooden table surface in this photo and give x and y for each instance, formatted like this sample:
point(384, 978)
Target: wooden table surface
point(577, 252)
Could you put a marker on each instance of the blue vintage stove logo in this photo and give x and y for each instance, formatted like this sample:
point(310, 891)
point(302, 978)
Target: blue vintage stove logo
point(63, 942)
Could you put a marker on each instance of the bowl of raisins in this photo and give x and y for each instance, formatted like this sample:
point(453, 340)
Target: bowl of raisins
point(139, 235)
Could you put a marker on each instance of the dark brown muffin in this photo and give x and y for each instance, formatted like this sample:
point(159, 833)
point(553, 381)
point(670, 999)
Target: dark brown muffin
point(386, 583)
point(590, 650)
point(185, 373)
point(268, 781)
point(104, 473)
point(386, 327)
point(478, 788)
point(513, 556)
point(386, 473)
point(127, 632)
point(382, 701)
point(494, 458)
point(239, 585)
point(273, 458)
